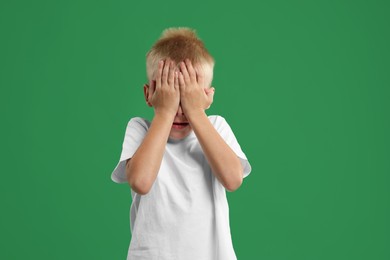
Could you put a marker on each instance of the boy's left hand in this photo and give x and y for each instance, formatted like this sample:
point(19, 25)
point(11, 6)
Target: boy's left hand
point(194, 95)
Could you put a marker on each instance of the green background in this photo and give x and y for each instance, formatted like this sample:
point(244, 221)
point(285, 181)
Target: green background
point(303, 84)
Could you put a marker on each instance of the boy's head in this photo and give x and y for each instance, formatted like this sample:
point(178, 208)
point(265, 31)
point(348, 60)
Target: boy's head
point(178, 44)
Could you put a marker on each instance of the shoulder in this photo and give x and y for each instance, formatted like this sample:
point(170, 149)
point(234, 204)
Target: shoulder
point(217, 121)
point(138, 122)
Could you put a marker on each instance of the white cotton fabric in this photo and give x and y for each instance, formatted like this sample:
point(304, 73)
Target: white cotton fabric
point(185, 215)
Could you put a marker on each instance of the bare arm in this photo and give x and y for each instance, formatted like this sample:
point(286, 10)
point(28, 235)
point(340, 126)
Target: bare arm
point(223, 161)
point(164, 96)
point(143, 167)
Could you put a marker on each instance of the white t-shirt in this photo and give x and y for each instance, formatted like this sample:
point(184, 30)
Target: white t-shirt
point(185, 215)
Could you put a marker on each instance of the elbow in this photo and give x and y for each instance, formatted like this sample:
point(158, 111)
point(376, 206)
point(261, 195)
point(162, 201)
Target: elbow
point(234, 186)
point(235, 183)
point(138, 187)
point(136, 184)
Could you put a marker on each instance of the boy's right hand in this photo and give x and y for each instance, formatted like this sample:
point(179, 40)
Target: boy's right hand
point(164, 93)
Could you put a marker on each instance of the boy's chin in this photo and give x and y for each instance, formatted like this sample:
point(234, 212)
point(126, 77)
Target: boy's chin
point(178, 134)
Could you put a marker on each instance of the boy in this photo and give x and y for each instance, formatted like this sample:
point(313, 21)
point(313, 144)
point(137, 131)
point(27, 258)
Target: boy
point(180, 164)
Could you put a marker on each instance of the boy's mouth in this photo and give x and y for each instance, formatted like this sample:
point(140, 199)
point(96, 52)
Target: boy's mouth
point(179, 125)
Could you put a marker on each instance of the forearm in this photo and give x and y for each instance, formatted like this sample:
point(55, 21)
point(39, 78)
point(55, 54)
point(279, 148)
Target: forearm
point(223, 161)
point(143, 167)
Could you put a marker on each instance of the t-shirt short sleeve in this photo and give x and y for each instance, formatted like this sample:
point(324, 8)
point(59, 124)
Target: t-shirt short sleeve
point(227, 134)
point(135, 133)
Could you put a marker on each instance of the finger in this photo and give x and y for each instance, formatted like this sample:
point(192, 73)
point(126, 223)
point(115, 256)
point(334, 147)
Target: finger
point(164, 78)
point(184, 71)
point(159, 73)
point(171, 76)
point(181, 80)
point(200, 75)
point(176, 84)
point(191, 70)
point(152, 88)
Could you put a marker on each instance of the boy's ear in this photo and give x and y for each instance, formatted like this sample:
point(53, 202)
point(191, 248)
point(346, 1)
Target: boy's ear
point(146, 94)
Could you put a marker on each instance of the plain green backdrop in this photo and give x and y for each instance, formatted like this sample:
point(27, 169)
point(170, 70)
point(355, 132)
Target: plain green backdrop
point(303, 84)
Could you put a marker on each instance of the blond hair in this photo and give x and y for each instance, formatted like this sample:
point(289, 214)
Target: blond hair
point(179, 44)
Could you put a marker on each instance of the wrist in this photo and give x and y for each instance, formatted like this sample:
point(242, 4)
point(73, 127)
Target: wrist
point(195, 114)
point(165, 115)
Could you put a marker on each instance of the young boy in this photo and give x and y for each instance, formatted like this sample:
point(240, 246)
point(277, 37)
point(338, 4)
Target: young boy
point(180, 164)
